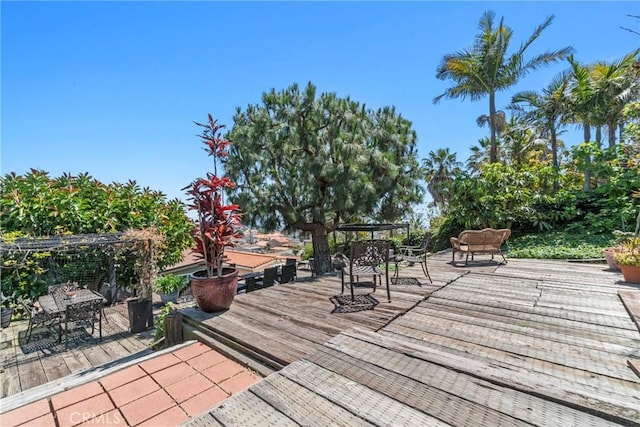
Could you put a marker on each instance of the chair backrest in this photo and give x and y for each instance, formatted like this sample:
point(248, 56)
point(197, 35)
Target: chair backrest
point(29, 308)
point(505, 233)
point(426, 242)
point(83, 310)
point(270, 276)
point(487, 238)
point(62, 288)
point(369, 253)
point(289, 261)
point(288, 273)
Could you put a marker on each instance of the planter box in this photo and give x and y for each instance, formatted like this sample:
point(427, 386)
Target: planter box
point(6, 317)
point(140, 315)
point(167, 298)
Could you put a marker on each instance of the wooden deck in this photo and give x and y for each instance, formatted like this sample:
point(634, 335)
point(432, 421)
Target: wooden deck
point(42, 360)
point(271, 328)
point(528, 343)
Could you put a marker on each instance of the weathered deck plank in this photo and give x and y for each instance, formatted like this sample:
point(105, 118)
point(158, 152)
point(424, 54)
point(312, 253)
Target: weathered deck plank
point(427, 385)
point(292, 320)
point(364, 402)
point(250, 410)
point(537, 329)
point(303, 405)
point(599, 394)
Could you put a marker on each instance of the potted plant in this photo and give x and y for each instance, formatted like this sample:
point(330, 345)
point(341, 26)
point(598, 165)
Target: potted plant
point(217, 225)
point(146, 243)
point(629, 260)
point(169, 287)
point(617, 246)
point(7, 305)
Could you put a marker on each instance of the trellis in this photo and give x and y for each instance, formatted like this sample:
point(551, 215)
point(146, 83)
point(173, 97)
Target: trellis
point(88, 259)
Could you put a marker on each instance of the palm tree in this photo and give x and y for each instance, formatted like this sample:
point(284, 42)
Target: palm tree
point(521, 142)
point(485, 69)
point(614, 86)
point(598, 94)
point(440, 167)
point(581, 96)
point(582, 106)
point(546, 110)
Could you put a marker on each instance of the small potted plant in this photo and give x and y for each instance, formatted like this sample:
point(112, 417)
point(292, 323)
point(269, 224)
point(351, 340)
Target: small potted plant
point(7, 305)
point(629, 260)
point(611, 251)
point(217, 226)
point(169, 287)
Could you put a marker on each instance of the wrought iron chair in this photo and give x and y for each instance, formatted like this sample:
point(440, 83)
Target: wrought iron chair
point(88, 312)
point(414, 255)
point(367, 258)
point(288, 273)
point(37, 316)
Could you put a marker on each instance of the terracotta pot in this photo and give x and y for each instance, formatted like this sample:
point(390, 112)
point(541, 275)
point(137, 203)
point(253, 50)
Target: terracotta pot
point(630, 273)
point(214, 293)
point(609, 255)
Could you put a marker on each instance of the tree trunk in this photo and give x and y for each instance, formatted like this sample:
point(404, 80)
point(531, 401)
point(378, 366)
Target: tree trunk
point(554, 156)
point(612, 134)
point(586, 129)
point(587, 170)
point(321, 255)
point(493, 151)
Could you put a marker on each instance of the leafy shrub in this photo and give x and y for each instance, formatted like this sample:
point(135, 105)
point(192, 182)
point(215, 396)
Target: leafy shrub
point(169, 283)
point(560, 245)
point(166, 309)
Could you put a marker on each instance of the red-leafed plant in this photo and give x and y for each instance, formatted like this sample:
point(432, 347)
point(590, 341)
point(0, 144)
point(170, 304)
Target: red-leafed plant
point(218, 223)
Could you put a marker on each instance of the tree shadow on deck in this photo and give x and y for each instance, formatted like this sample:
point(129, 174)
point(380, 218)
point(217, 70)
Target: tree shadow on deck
point(406, 281)
point(461, 263)
point(45, 339)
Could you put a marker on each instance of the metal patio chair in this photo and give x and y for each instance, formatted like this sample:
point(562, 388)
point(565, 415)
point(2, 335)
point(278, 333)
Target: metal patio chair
point(369, 259)
point(37, 317)
point(414, 255)
point(84, 312)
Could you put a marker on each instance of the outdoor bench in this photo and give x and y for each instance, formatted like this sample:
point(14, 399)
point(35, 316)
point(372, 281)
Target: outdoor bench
point(487, 241)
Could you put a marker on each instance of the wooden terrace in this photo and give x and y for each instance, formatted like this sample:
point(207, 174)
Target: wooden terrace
point(527, 343)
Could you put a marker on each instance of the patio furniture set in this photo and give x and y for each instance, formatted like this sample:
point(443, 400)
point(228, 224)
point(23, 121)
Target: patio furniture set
point(370, 258)
point(65, 305)
point(270, 276)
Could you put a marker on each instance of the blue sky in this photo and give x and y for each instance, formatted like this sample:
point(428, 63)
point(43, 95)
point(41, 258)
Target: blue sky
point(113, 88)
